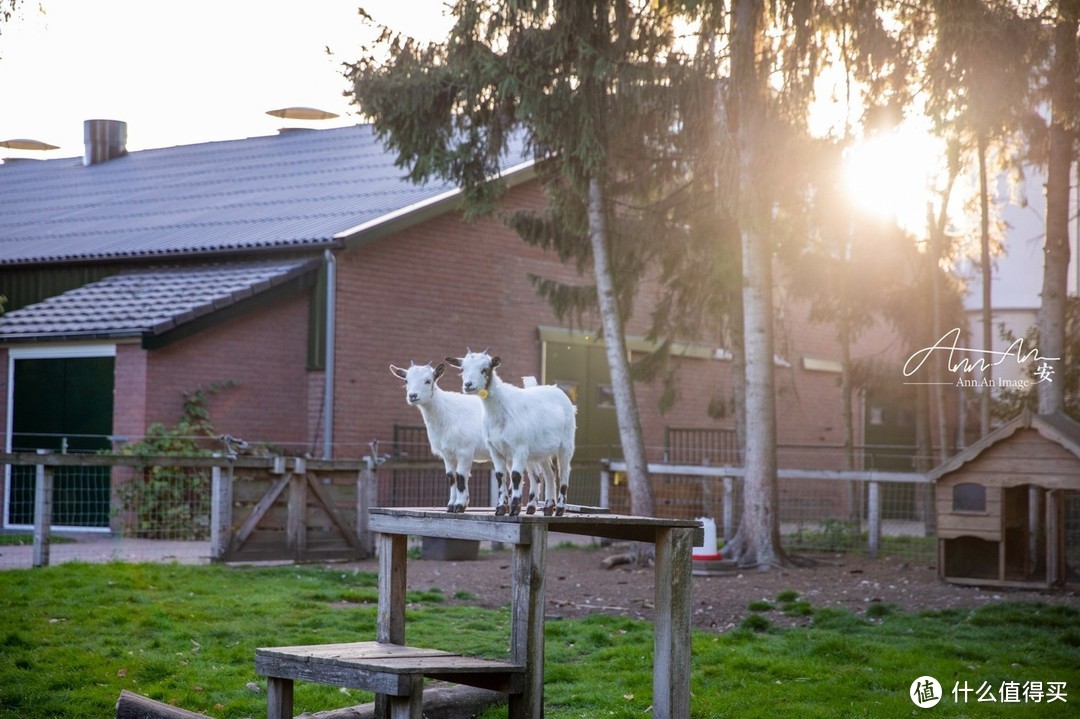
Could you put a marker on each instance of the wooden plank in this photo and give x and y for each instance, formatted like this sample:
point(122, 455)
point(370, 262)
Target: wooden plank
point(390, 621)
point(409, 706)
point(279, 697)
point(261, 508)
point(339, 675)
point(672, 624)
point(527, 598)
point(296, 522)
point(348, 652)
point(451, 526)
point(347, 532)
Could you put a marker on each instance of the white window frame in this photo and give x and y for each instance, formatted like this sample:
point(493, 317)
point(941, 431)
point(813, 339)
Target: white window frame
point(59, 351)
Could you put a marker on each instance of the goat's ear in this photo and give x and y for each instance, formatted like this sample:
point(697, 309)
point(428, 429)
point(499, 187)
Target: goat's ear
point(454, 362)
point(439, 369)
point(496, 361)
point(397, 371)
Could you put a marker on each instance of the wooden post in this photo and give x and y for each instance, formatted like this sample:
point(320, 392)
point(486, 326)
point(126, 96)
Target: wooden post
point(672, 628)
point(873, 520)
point(220, 512)
point(43, 505)
point(527, 621)
point(1055, 537)
point(365, 482)
point(296, 523)
point(279, 698)
point(390, 624)
point(390, 621)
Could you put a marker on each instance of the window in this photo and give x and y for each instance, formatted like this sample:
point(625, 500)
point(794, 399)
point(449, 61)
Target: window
point(969, 497)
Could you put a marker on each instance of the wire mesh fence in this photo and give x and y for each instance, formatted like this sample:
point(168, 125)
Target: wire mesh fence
point(120, 512)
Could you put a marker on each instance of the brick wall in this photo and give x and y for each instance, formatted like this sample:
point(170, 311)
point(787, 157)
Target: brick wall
point(438, 287)
point(264, 353)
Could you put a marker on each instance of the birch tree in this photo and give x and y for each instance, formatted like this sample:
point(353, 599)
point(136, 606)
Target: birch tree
point(1064, 94)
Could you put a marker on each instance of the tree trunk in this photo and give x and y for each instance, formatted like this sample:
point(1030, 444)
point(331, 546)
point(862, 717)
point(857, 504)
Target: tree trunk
point(626, 412)
point(987, 308)
point(759, 530)
point(757, 543)
point(1051, 321)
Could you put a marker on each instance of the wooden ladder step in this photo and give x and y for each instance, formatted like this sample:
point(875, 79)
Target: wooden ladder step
point(385, 668)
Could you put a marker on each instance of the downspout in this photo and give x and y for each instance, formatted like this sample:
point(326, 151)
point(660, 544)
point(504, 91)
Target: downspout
point(328, 377)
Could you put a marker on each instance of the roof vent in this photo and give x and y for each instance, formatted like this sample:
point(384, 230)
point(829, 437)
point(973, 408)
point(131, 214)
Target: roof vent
point(104, 140)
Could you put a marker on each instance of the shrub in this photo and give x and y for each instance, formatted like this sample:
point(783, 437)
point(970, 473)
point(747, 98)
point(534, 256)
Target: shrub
point(171, 502)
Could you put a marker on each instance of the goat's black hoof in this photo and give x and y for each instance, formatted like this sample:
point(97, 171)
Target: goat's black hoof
point(450, 508)
point(530, 509)
point(515, 508)
point(500, 510)
point(560, 511)
point(548, 511)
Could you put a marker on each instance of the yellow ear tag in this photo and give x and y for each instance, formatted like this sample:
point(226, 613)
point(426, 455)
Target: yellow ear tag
point(482, 394)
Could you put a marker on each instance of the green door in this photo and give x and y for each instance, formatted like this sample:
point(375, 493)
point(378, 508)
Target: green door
point(62, 404)
point(583, 373)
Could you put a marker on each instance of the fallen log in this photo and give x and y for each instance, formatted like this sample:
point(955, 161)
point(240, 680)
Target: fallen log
point(440, 702)
point(136, 706)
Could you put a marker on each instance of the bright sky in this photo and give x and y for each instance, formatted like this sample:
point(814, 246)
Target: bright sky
point(182, 73)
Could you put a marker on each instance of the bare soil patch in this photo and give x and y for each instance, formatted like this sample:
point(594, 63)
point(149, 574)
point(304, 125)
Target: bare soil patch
point(578, 585)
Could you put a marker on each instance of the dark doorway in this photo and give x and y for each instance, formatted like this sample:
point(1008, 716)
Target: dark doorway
point(62, 404)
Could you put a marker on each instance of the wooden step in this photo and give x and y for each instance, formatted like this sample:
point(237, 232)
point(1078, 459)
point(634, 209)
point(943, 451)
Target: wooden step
point(385, 668)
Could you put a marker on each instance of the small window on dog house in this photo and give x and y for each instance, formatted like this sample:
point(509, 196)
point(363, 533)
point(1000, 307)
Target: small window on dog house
point(969, 497)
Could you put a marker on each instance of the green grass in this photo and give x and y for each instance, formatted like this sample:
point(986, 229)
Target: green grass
point(72, 636)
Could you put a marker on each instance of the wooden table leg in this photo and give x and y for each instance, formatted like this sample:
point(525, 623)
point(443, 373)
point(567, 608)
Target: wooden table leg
point(410, 707)
point(672, 633)
point(527, 622)
point(279, 698)
point(390, 621)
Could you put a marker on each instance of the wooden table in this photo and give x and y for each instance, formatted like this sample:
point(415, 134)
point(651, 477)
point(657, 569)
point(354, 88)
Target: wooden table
point(528, 535)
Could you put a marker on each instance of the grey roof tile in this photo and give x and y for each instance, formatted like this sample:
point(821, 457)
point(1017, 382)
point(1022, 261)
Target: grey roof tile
point(147, 301)
point(294, 191)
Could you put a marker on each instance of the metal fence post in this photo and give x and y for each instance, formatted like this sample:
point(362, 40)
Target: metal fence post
point(729, 509)
point(43, 505)
point(873, 519)
point(605, 487)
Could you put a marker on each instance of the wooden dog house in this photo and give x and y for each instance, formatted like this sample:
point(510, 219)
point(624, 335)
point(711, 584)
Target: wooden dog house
point(1001, 505)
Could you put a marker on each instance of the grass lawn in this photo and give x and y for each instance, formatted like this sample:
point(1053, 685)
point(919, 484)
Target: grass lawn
point(72, 636)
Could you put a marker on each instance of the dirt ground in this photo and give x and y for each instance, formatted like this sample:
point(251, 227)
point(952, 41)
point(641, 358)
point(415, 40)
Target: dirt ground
point(578, 585)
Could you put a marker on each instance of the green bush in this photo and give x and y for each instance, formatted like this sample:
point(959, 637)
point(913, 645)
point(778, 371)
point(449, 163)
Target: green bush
point(171, 502)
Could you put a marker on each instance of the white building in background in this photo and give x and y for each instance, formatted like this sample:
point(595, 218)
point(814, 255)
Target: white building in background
point(1016, 284)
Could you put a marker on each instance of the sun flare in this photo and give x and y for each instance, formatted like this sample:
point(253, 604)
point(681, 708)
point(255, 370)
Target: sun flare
point(890, 174)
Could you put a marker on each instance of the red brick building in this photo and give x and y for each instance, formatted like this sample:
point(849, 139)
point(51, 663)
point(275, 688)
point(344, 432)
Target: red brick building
point(149, 274)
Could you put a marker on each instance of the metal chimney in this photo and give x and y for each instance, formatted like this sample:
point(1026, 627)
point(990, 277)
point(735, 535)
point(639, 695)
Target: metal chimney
point(104, 140)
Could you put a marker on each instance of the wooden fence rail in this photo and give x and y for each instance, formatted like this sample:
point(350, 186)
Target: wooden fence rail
point(727, 475)
point(261, 507)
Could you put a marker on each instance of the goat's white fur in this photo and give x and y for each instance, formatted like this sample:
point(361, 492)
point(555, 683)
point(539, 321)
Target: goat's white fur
point(522, 426)
point(455, 429)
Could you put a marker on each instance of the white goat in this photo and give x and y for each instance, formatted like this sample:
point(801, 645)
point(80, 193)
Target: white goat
point(522, 426)
point(455, 429)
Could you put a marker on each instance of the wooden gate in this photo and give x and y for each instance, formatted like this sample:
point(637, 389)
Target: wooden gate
point(299, 509)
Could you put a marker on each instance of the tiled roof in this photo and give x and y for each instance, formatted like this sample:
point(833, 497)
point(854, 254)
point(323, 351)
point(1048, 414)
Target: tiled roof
point(295, 190)
point(147, 302)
